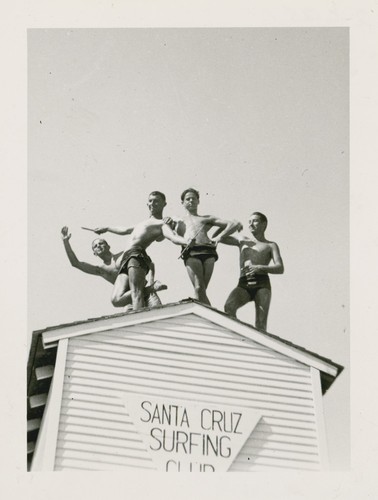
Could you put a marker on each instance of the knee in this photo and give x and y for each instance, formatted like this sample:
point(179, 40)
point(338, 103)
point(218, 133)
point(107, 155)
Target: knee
point(116, 298)
point(230, 308)
point(116, 301)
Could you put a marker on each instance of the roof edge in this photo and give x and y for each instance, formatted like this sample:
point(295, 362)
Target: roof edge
point(144, 316)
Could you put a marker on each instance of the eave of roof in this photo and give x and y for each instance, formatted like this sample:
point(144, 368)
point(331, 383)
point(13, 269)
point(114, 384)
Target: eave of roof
point(327, 380)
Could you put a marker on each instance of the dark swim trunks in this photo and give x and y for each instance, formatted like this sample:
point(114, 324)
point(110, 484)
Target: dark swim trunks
point(140, 259)
point(252, 285)
point(201, 252)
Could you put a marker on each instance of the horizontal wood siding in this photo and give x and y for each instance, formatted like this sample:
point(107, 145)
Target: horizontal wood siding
point(187, 358)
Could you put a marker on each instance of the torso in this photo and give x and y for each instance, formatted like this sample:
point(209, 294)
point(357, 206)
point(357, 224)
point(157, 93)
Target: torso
point(147, 232)
point(143, 235)
point(110, 271)
point(259, 252)
point(195, 226)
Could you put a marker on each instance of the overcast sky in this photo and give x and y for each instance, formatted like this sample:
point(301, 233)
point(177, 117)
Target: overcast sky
point(255, 119)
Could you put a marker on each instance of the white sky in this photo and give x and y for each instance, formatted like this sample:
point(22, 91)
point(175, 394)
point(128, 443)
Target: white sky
point(361, 17)
point(255, 119)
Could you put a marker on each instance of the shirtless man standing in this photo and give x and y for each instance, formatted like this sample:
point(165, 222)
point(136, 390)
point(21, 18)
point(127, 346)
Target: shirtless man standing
point(110, 267)
point(200, 255)
point(135, 262)
point(258, 258)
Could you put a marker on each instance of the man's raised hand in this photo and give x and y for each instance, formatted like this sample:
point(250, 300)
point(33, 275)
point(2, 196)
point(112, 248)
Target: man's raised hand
point(64, 232)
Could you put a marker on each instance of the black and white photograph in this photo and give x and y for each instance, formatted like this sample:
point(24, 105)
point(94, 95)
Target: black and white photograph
point(228, 148)
point(184, 187)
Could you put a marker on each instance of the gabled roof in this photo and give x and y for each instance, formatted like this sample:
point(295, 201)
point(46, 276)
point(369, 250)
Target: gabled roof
point(44, 342)
point(327, 367)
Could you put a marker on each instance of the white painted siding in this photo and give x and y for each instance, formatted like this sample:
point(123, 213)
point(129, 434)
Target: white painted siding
point(187, 358)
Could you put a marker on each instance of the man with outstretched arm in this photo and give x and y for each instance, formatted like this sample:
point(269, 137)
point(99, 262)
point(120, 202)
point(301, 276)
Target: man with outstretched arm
point(135, 262)
point(258, 258)
point(200, 256)
point(110, 267)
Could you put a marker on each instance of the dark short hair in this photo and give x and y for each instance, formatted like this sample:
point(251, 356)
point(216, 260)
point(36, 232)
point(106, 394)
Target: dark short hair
point(101, 239)
point(189, 190)
point(262, 217)
point(158, 193)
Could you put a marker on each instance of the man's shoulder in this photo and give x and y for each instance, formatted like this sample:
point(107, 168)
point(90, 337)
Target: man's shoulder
point(268, 244)
point(274, 245)
point(116, 256)
point(271, 243)
point(214, 219)
point(243, 238)
point(207, 218)
point(151, 221)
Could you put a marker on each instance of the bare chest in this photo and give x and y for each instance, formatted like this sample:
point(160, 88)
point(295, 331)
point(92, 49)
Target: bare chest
point(194, 227)
point(147, 232)
point(110, 271)
point(257, 252)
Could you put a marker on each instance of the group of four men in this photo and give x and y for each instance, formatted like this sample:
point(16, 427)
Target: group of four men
point(128, 270)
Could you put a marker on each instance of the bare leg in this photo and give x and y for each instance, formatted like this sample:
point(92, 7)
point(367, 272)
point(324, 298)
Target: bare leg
point(121, 295)
point(262, 303)
point(237, 298)
point(196, 274)
point(137, 277)
point(208, 268)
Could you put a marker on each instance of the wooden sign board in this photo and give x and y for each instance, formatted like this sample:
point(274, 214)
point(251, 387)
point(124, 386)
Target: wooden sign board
point(187, 436)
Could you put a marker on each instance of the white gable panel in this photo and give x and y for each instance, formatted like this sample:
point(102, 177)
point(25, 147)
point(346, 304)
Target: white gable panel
point(186, 376)
point(99, 353)
point(149, 355)
point(187, 358)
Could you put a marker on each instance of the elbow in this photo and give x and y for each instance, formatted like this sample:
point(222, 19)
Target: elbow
point(237, 225)
point(276, 269)
point(76, 264)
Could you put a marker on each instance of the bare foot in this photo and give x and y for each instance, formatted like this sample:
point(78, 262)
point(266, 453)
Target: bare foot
point(158, 286)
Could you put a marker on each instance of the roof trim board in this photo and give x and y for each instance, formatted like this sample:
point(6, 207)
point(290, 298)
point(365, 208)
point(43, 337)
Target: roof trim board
point(52, 336)
point(274, 343)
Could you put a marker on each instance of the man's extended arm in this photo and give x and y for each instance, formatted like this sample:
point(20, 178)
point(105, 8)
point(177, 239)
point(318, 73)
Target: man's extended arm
point(172, 236)
point(175, 224)
point(115, 230)
point(226, 228)
point(75, 262)
point(231, 240)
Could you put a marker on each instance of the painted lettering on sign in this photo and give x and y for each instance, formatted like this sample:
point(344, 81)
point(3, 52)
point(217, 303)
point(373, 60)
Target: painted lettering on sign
point(170, 414)
point(183, 436)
